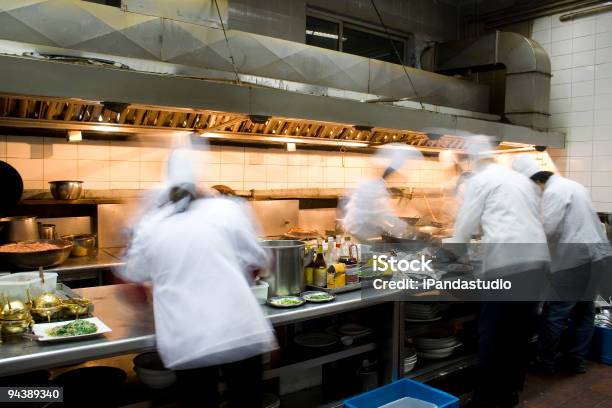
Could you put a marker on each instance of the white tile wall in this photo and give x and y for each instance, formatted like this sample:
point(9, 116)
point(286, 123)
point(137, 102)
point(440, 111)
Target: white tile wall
point(581, 98)
point(104, 165)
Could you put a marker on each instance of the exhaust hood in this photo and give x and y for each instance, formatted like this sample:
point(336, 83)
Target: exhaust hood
point(43, 94)
point(130, 72)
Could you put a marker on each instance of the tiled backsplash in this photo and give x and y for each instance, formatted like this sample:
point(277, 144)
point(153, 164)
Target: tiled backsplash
point(581, 98)
point(105, 165)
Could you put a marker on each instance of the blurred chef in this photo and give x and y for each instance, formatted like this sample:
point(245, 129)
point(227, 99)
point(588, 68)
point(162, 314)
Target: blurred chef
point(578, 245)
point(505, 207)
point(199, 253)
point(368, 212)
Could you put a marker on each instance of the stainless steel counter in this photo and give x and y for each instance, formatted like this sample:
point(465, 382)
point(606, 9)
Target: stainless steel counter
point(128, 311)
point(101, 259)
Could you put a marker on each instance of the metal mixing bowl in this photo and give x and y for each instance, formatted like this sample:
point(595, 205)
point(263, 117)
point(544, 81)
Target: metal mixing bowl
point(36, 259)
point(66, 189)
point(84, 244)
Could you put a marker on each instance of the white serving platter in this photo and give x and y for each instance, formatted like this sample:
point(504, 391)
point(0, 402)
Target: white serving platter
point(40, 330)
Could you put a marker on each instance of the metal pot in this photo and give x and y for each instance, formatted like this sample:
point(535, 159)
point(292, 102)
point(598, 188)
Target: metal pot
point(285, 273)
point(66, 189)
point(14, 229)
point(84, 244)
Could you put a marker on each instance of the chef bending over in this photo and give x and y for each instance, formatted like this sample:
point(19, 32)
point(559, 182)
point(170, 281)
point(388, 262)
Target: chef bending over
point(199, 254)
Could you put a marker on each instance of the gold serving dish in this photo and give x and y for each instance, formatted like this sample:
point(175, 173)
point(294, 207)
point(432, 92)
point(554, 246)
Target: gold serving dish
point(14, 310)
point(10, 327)
point(76, 306)
point(46, 306)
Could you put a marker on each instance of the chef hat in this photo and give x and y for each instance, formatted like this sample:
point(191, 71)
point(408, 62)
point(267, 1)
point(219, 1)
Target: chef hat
point(394, 155)
point(181, 163)
point(448, 158)
point(526, 165)
point(479, 147)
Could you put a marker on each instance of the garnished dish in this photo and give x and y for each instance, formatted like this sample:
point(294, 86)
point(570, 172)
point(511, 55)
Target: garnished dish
point(317, 296)
point(76, 328)
point(70, 330)
point(24, 247)
point(286, 301)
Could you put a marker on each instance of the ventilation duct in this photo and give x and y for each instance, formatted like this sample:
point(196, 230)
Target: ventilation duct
point(527, 64)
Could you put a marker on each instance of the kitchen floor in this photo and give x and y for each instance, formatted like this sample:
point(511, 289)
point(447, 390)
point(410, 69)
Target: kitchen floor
point(590, 390)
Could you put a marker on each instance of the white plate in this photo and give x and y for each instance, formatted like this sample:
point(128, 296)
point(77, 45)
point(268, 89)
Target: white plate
point(353, 329)
point(40, 330)
point(434, 356)
point(435, 319)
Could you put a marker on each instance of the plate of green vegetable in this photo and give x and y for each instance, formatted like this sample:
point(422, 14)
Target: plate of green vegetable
point(68, 330)
point(286, 301)
point(317, 296)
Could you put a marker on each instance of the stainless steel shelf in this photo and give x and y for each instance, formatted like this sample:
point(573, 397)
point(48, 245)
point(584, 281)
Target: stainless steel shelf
point(318, 361)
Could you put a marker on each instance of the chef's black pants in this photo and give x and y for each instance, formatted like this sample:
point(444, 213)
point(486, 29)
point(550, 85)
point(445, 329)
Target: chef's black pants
point(504, 330)
point(199, 387)
point(579, 317)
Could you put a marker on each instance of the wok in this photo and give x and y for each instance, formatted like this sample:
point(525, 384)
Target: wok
point(38, 259)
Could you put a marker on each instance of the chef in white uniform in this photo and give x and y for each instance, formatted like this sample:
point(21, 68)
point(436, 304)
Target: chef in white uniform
point(505, 207)
point(368, 214)
point(199, 253)
point(579, 248)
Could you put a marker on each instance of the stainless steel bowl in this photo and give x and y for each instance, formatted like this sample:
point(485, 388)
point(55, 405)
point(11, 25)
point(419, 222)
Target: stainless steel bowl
point(84, 244)
point(66, 189)
point(37, 259)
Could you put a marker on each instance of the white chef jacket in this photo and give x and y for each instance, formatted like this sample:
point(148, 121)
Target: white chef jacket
point(505, 205)
point(570, 220)
point(369, 213)
point(205, 312)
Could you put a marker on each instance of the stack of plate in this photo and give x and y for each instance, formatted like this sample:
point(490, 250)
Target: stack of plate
point(421, 312)
point(435, 348)
point(410, 360)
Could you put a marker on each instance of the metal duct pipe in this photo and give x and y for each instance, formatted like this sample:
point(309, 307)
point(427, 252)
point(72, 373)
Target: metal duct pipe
point(532, 10)
point(527, 71)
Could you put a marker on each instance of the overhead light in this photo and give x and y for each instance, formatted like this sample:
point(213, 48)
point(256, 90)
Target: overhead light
point(291, 147)
point(75, 136)
point(105, 128)
point(282, 139)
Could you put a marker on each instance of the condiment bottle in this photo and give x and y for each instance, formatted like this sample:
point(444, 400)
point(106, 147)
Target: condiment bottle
point(309, 268)
point(336, 276)
point(330, 253)
point(320, 268)
point(340, 278)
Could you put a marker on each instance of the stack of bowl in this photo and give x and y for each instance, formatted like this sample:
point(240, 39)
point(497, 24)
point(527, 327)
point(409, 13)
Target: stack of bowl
point(410, 360)
point(435, 348)
point(421, 312)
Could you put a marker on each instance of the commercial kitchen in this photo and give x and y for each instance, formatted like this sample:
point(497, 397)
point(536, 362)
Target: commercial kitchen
point(287, 106)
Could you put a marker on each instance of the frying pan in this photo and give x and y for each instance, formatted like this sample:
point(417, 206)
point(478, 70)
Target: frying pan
point(11, 186)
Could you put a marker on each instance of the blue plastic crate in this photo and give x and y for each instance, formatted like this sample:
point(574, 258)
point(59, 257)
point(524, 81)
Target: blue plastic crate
point(400, 389)
point(602, 344)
